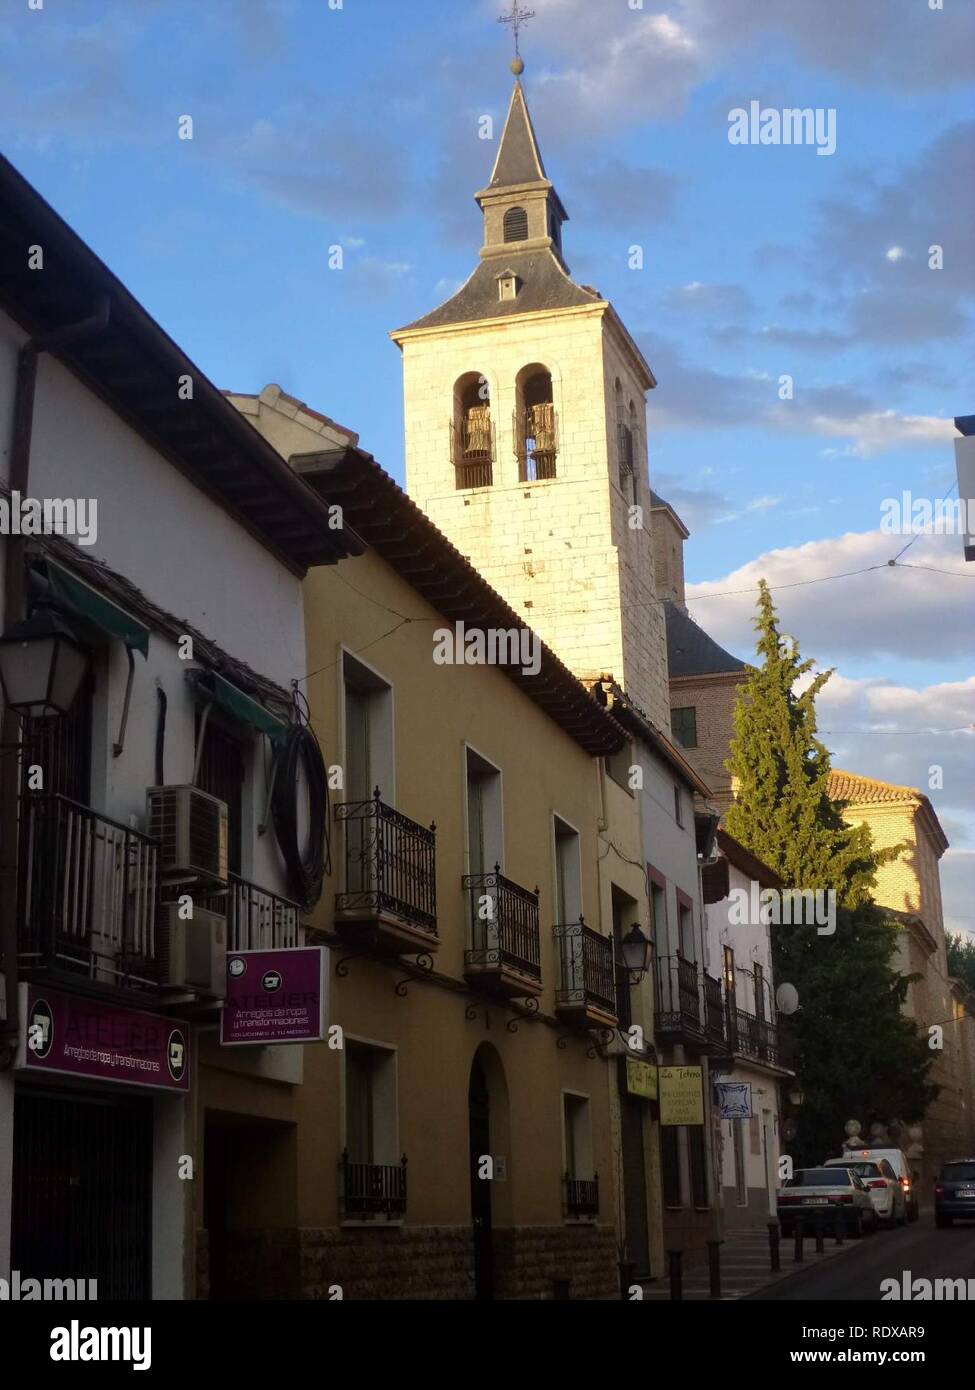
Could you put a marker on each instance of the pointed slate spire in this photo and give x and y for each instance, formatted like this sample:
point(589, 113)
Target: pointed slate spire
point(519, 159)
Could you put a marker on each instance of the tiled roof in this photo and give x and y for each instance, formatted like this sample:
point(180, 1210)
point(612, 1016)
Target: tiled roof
point(543, 285)
point(851, 787)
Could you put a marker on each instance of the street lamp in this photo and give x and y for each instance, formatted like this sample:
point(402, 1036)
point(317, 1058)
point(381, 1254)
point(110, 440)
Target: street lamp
point(41, 665)
point(636, 953)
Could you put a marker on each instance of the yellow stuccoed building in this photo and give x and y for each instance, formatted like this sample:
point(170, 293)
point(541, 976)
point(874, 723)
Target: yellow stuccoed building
point(464, 1141)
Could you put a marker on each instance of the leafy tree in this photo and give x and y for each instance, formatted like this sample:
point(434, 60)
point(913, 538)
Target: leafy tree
point(961, 958)
point(782, 810)
point(855, 1054)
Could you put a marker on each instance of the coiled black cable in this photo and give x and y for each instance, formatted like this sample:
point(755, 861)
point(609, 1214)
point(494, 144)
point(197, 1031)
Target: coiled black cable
point(301, 749)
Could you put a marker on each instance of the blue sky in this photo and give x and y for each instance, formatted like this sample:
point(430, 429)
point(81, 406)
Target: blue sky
point(358, 125)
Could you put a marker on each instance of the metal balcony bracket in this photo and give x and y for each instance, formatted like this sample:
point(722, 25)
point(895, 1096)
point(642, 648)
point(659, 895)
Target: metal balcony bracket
point(526, 1008)
point(601, 1039)
point(562, 1041)
point(119, 743)
point(423, 964)
point(342, 966)
point(470, 1012)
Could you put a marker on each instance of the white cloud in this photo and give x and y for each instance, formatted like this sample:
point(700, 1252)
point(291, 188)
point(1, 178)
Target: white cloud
point(906, 613)
point(874, 431)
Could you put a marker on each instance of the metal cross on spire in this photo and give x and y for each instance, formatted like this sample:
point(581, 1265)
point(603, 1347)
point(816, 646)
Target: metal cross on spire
point(516, 19)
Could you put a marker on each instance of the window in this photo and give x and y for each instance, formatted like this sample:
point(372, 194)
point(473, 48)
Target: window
point(568, 874)
point(578, 1137)
point(685, 919)
point(678, 805)
point(374, 1173)
point(61, 744)
point(507, 285)
point(370, 1103)
point(658, 916)
point(536, 425)
point(222, 767)
point(516, 225)
point(729, 974)
point(484, 827)
point(472, 431)
point(684, 723)
point(368, 733)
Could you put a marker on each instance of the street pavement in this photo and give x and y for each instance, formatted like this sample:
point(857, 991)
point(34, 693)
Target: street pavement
point(920, 1249)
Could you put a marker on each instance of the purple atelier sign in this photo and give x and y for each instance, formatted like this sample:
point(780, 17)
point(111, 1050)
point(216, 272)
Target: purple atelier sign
point(77, 1036)
point(274, 997)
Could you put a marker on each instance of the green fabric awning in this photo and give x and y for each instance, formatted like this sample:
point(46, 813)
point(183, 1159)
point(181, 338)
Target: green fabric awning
point(240, 707)
point(78, 600)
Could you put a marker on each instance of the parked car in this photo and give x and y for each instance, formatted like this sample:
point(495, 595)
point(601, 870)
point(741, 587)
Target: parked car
point(881, 1182)
point(954, 1192)
point(834, 1192)
point(898, 1161)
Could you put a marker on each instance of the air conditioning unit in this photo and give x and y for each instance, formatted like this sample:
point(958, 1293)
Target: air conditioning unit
point(193, 954)
point(191, 828)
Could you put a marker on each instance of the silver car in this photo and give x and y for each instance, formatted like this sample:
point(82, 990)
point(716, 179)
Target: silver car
point(827, 1195)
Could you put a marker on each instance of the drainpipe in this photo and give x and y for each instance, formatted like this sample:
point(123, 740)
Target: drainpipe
point(15, 609)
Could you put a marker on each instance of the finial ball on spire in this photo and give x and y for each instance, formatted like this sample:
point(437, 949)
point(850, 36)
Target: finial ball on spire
point(517, 66)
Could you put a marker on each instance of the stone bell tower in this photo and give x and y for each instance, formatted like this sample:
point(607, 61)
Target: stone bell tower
point(526, 434)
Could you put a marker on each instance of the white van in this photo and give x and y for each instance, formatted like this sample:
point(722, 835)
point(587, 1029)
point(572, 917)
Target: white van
point(898, 1161)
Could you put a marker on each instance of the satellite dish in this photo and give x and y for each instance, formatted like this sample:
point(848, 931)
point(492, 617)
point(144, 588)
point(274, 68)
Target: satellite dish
point(787, 999)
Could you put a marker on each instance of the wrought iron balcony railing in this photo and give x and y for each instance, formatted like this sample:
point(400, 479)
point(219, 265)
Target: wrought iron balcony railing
point(258, 920)
point(373, 1189)
point(678, 997)
point(755, 1037)
point(713, 1008)
point(581, 1196)
point(585, 968)
point(472, 451)
point(86, 893)
point(390, 864)
point(504, 924)
point(536, 430)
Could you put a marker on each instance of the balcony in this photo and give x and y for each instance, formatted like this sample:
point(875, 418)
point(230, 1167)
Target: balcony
point(581, 1197)
point(258, 920)
point(504, 955)
point(713, 1009)
point(86, 895)
point(678, 1012)
point(755, 1038)
point(472, 449)
point(536, 430)
point(586, 993)
point(373, 1189)
point(390, 896)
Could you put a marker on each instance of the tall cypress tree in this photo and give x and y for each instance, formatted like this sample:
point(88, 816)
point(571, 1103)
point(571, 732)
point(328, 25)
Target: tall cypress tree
point(782, 811)
point(855, 1054)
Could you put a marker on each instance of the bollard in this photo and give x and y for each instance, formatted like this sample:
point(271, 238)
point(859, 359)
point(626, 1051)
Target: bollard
point(627, 1271)
point(714, 1266)
point(820, 1247)
point(560, 1288)
point(840, 1224)
point(773, 1246)
point(674, 1258)
point(798, 1242)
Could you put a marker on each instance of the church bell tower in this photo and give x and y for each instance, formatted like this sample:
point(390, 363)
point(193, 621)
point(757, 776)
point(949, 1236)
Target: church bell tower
point(526, 434)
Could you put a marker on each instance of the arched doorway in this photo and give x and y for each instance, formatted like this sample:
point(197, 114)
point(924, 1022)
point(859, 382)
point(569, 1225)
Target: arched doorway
point(479, 1110)
point(487, 1103)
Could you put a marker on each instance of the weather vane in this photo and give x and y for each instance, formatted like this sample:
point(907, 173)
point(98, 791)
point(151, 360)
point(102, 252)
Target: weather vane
point(516, 19)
